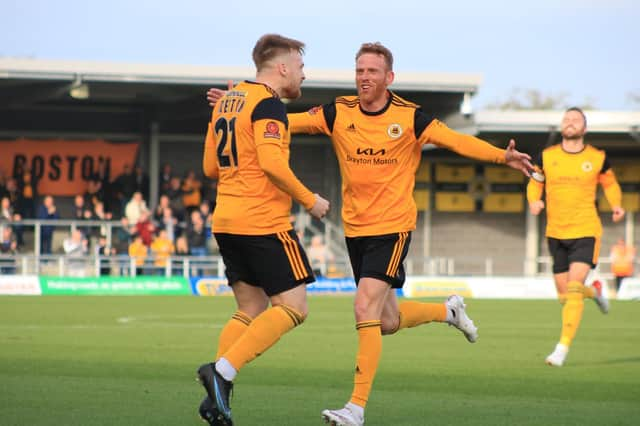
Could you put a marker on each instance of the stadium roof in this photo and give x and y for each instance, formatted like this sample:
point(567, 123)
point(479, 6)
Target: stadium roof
point(120, 100)
point(616, 131)
point(544, 121)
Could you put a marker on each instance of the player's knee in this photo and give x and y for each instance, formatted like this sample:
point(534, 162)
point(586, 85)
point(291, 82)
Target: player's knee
point(390, 327)
point(298, 313)
point(575, 290)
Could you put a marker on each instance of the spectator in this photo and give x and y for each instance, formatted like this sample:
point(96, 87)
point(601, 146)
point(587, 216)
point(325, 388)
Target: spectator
point(28, 188)
point(103, 251)
point(135, 207)
point(175, 198)
point(196, 235)
point(8, 246)
point(8, 214)
point(99, 213)
point(165, 178)
point(141, 182)
point(138, 251)
point(3, 185)
point(78, 207)
point(15, 197)
point(162, 247)
point(169, 223)
point(47, 211)
point(182, 246)
point(182, 249)
point(123, 188)
point(622, 258)
point(76, 248)
point(191, 196)
point(94, 193)
point(320, 257)
point(158, 212)
point(145, 229)
point(123, 236)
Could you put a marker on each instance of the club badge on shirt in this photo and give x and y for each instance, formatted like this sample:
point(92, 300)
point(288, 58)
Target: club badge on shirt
point(394, 130)
point(272, 130)
point(587, 166)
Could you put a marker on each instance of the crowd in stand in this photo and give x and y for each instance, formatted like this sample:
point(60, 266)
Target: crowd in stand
point(179, 225)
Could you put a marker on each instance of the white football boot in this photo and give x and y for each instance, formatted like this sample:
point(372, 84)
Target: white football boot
point(459, 319)
point(557, 357)
point(343, 417)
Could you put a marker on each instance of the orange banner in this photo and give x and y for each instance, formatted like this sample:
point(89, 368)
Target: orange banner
point(64, 167)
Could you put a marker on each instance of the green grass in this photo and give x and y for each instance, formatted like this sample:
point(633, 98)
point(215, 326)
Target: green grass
point(132, 361)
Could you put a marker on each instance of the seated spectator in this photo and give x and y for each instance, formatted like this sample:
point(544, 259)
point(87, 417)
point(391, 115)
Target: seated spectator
point(162, 247)
point(320, 257)
point(76, 246)
point(47, 211)
point(135, 208)
point(197, 236)
point(138, 251)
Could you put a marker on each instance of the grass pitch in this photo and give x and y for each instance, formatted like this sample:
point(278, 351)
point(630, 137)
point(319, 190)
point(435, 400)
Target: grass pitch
point(132, 360)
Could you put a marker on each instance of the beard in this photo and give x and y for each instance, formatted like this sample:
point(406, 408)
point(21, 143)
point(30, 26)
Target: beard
point(572, 134)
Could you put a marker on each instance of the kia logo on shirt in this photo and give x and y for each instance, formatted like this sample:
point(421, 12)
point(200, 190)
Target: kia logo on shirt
point(371, 151)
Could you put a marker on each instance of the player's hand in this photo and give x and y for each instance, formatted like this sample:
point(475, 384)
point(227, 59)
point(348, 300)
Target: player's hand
point(518, 160)
point(617, 214)
point(214, 94)
point(320, 208)
point(536, 207)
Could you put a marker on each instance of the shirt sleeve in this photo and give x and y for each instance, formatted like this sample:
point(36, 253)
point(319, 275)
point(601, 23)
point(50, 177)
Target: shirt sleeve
point(317, 120)
point(611, 187)
point(469, 146)
point(534, 191)
point(210, 159)
point(269, 128)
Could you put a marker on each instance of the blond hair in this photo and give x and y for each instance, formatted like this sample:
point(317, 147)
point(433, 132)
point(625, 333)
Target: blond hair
point(270, 46)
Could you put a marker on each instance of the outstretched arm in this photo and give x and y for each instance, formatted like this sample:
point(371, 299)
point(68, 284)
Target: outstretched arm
point(472, 147)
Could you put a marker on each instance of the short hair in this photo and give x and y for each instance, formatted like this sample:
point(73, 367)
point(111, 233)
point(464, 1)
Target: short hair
point(577, 109)
point(378, 49)
point(271, 45)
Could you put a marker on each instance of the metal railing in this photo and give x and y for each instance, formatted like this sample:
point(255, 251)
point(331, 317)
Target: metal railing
point(116, 265)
